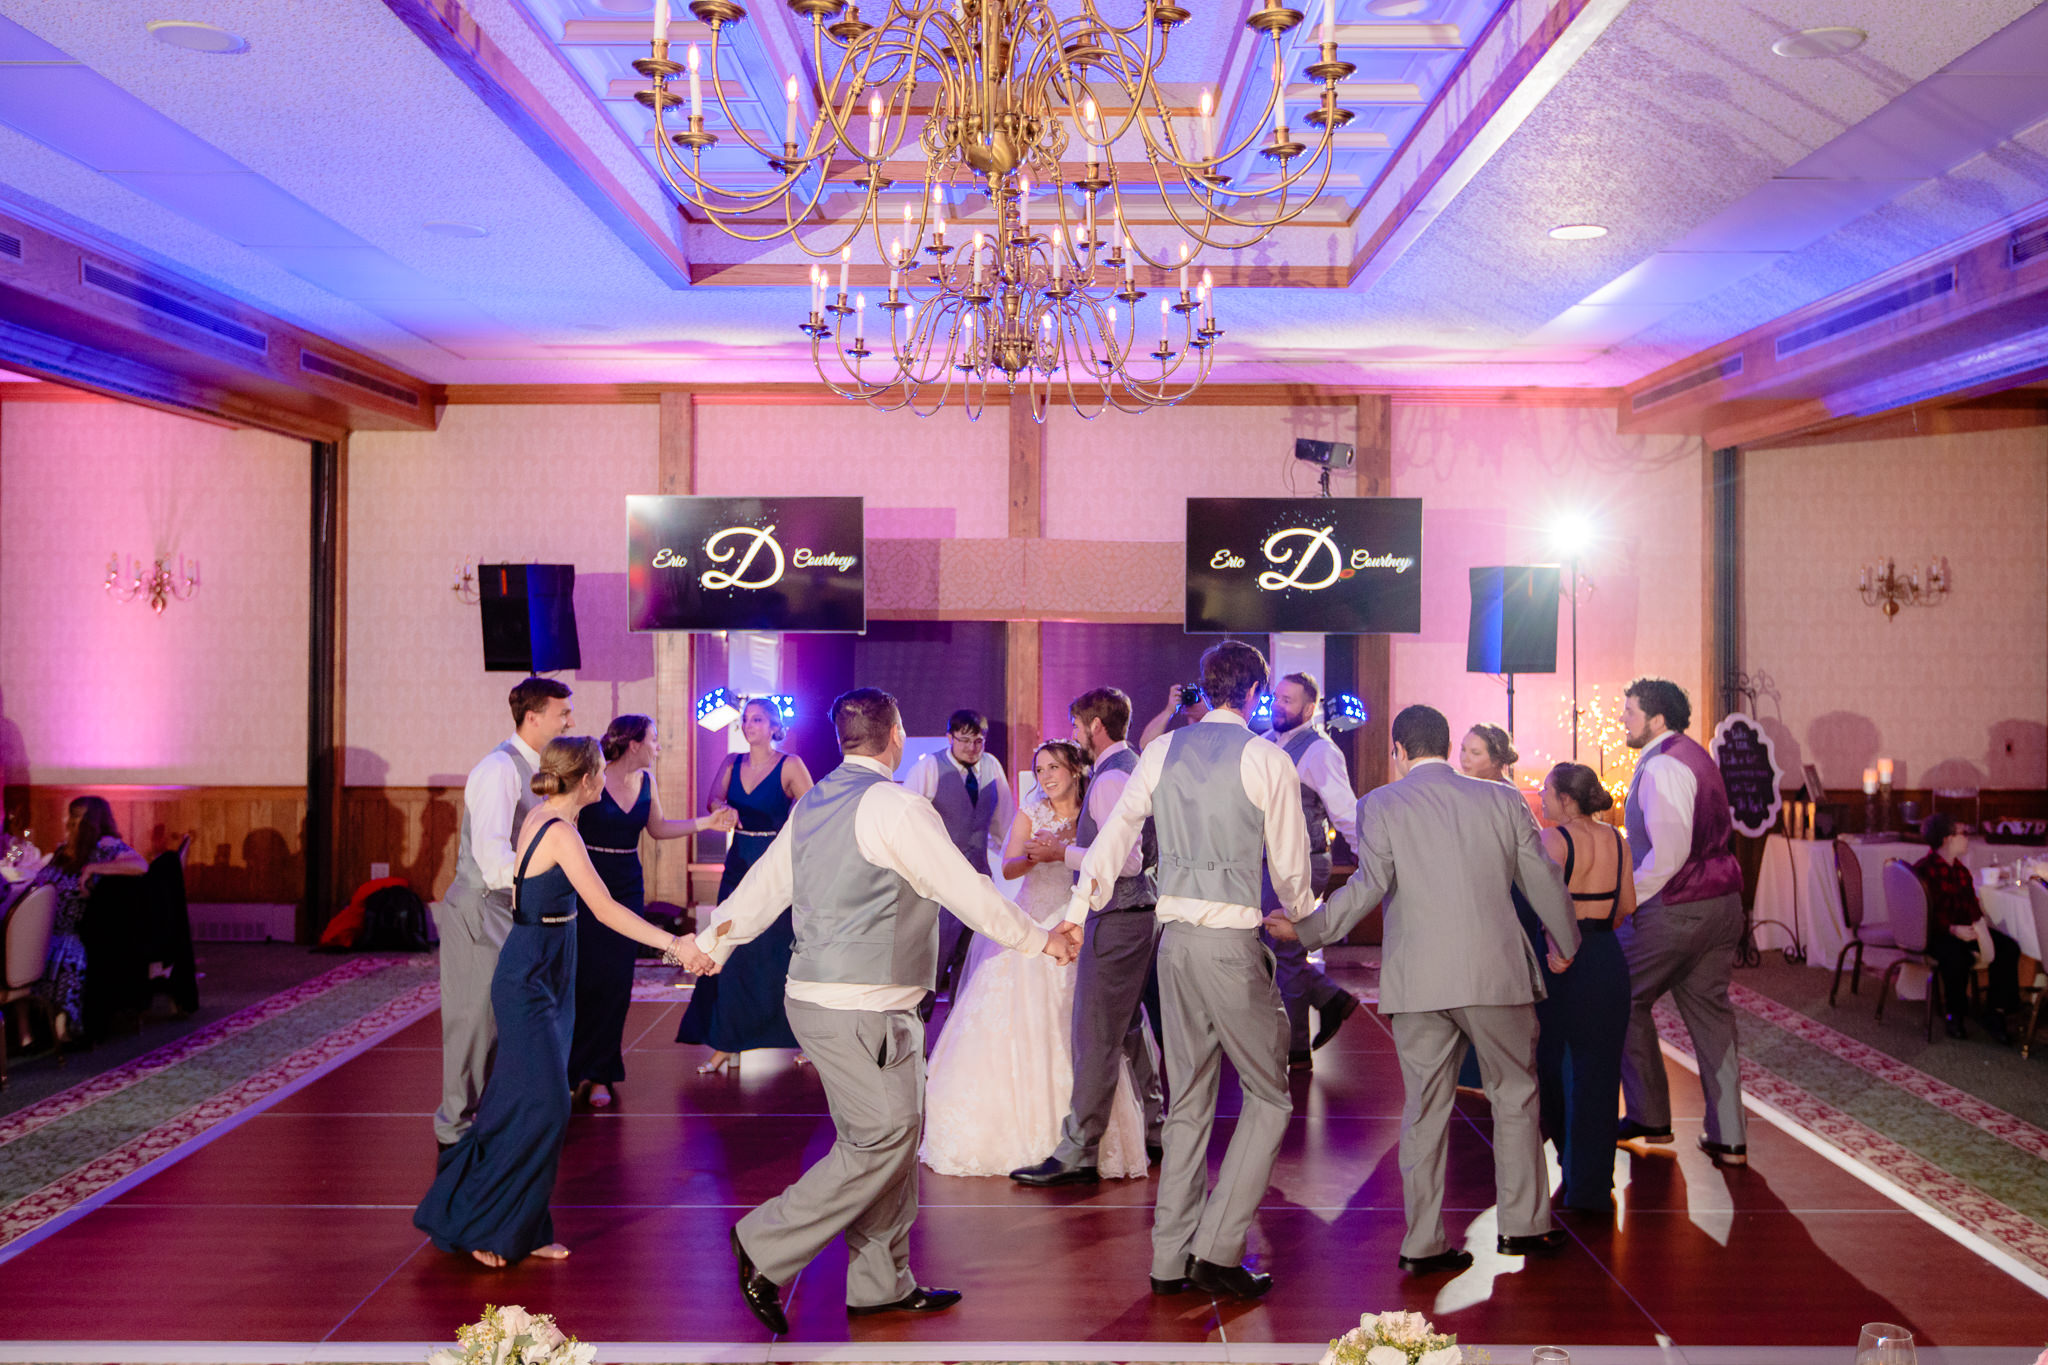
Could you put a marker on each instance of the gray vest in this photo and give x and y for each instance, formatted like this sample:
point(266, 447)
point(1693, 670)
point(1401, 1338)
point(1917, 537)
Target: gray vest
point(1212, 839)
point(1138, 892)
point(856, 924)
point(1296, 745)
point(469, 879)
point(968, 824)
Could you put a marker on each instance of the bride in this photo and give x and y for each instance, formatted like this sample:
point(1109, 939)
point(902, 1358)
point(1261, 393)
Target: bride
point(1002, 1075)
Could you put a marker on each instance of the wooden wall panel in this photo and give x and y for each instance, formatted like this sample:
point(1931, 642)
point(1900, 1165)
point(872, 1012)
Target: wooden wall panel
point(248, 843)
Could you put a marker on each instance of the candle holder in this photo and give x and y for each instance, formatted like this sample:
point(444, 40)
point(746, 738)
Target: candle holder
point(1884, 804)
point(1870, 825)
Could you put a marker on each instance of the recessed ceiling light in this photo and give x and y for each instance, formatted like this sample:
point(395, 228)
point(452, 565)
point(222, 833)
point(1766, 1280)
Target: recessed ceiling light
point(1820, 42)
point(1578, 232)
point(447, 229)
point(1396, 9)
point(196, 37)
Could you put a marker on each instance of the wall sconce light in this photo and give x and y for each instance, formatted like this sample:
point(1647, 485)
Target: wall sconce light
point(466, 590)
point(157, 583)
point(1884, 587)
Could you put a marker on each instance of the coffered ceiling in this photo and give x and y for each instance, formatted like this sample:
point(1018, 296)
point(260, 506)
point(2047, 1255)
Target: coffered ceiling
point(465, 187)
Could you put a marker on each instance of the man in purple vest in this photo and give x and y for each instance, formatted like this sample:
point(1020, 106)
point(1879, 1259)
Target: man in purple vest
point(1687, 923)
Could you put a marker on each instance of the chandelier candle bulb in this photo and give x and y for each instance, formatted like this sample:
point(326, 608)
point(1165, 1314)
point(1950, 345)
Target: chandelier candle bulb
point(1164, 309)
point(895, 267)
point(875, 128)
point(660, 21)
point(1130, 262)
point(1024, 205)
point(696, 85)
point(845, 259)
point(860, 319)
point(1183, 269)
point(1208, 127)
point(789, 125)
point(1279, 112)
point(977, 262)
point(1329, 23)
point(1091, 127)
point(1059, 253)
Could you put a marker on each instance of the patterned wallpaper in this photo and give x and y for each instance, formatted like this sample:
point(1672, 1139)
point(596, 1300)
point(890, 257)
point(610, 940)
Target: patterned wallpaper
point(494, 485)
point(95, 690)
point(1956, 695)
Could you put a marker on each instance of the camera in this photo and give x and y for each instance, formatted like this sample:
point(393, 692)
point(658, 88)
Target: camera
point(1189, 694)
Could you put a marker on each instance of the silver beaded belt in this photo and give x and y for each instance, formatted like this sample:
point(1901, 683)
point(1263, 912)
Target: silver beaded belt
point(556, 919)
point(620, 851)
point(757, 833)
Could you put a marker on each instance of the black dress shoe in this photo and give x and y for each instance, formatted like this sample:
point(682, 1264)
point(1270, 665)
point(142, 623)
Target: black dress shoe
point(1531, 1243)
point(1442, 1262)
point(1725, 1154)
point(918, 1300)
point(1953, 1025)
point(1631, 1131)
point(1049, 1172)
point(764, 1299)
point(1174, 1286)
point(1994, 1024)
point(1300, 1063)
point(1342, 1008)
point(1232, 1281)
point(1154, 1153)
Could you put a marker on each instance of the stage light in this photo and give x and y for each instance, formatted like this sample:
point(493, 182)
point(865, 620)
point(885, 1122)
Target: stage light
point(1261, 717)
point(716, 710)
point(784, 703)
point(1343, 712)
point(1571, 532)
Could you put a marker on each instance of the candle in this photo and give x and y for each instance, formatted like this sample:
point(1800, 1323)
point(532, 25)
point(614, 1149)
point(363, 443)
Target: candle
point(1091, 225)
point(1329, 22)
point(1183, 269)
point(939, 216)
point(1884, 771)
point(845, 257)
point(895, 266)
point(875, 128)
point(696, 86)
point(1091, 127)
point(1208, 127)
point(1208, 300)
point(1870, 781)
point(1059, 253)
point(1024, 205)
point(817, 289)
point(860, 320)
point(1130, 261)
point(660, 21)
point(1279, 113)
point(789, 126)
point(1164, 309)
point(977, 261)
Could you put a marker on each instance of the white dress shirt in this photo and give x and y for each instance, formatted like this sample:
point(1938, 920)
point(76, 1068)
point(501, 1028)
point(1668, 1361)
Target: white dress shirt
point(1103, 790)
point(491, 797)
point(893, 828)
point(1322, 772)
point(988, 771)
point(1666, 790)
point(1270, 784)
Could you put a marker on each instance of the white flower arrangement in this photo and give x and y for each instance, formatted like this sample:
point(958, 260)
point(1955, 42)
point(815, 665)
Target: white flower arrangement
point(1396, 1339)
point(513, 1336)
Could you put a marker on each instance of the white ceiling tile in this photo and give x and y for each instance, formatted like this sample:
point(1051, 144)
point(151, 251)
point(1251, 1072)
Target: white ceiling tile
point(2021, 46)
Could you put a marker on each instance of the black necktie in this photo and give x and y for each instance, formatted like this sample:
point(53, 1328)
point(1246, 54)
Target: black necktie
point(973, 787)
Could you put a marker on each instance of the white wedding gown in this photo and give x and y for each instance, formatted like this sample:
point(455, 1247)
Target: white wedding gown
point(1001, 1078)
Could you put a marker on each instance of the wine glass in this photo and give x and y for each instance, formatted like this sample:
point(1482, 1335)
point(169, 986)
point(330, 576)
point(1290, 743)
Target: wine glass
point(1885, 1343)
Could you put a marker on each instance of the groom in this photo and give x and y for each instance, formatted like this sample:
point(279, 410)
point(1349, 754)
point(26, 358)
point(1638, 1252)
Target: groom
point(865, 865)
point(1116, 957)
point(1219, 797)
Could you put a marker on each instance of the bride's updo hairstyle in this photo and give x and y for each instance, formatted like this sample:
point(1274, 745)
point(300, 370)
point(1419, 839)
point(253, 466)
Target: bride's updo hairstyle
point(1071, 758)
point(566, 763)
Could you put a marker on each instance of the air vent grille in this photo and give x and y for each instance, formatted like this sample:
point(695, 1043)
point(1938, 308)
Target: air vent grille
point(10, 245)
point(347, 374)
point(2027, 244)
point(158, 298)
point(1726, 368)
point(1864, 312)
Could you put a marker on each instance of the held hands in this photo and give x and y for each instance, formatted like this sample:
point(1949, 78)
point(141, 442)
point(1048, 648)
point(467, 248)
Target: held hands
point(1063, 943)
point(1046, 848)
point(1281, 927)
point(1558, 961)
point(683, 952)
point(725, 820)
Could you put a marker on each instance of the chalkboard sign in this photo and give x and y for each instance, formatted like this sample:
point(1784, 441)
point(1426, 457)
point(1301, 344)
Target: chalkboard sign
point(1749, 770)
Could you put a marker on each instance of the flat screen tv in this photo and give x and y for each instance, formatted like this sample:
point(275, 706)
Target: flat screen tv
point(746, 563)
point(1342, 566)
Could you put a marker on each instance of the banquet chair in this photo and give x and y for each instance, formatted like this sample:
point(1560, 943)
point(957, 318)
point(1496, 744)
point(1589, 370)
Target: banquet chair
point(2037, 894)
point(1906, 898)
point(172, 966)
point(1849, 877)
point(26, 956)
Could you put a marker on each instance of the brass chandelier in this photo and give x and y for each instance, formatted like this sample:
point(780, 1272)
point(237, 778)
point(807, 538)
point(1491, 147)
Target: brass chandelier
point(1014, 95)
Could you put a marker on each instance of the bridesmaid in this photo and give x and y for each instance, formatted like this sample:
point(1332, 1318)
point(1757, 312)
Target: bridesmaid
point(490, 1191)
point(742, 1009)
point(611, 828)
point(1489, 755)
point(1578, 1054)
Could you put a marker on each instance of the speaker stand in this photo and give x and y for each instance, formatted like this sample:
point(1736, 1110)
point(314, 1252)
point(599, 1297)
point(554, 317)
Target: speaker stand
point(1511, 703)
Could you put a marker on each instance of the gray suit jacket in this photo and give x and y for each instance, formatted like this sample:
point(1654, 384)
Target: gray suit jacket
point(1448, 847)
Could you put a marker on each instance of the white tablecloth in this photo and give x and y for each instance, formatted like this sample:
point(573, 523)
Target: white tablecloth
point(2011, 910)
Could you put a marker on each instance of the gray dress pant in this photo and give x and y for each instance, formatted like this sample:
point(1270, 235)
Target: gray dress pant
point(473, 925)
point(1302, 984)
point(1688, 950)
point(1116, 957)
point(1217, 994)
point(872, 1064)
point(1430, 1044)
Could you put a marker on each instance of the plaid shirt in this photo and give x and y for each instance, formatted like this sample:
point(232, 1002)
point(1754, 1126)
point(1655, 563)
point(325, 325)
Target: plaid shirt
point(1951, 891)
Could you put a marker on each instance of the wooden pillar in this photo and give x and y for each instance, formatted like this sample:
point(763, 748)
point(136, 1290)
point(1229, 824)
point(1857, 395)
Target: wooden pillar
point(326, 709)
point(1375, 468)
point(1721, 621)
point(675, 776)
point(1023, 683)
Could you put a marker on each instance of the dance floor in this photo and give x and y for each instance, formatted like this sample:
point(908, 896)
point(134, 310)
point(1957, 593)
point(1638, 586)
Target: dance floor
point(294, 1226)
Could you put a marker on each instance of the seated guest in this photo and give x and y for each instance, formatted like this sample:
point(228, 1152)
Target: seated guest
point(1958, 935)
point(92, 848)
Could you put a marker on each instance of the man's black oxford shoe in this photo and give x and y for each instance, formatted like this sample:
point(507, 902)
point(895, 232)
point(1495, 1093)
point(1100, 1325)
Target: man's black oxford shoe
point(1049, 1172)
point(1631, 1131)
point(1174, 1286)
point(918, 1300)
point(1154, 1153)
point(1532, 1243)
point(1441, 1263)
point(764, 1299)
point(1231, 1281)
point(1342, 1008)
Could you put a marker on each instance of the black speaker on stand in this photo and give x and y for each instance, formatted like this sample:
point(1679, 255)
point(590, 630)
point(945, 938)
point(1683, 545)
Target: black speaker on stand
point(1514, 623)
point(529, 613)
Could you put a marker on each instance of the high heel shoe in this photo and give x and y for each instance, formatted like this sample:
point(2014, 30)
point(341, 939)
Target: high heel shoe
point(721, 1061)
point(802, 1060)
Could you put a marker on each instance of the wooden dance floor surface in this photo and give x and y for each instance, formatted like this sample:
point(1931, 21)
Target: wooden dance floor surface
point(296, 1227)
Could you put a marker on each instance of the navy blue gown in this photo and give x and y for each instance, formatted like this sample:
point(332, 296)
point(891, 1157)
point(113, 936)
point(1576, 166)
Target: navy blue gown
point(741, 1007)
point(604, 957)
point(491, 1189)
point(1578, 1054)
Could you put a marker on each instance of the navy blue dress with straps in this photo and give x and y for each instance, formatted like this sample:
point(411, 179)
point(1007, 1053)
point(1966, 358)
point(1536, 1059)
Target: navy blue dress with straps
point(742, 1007)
